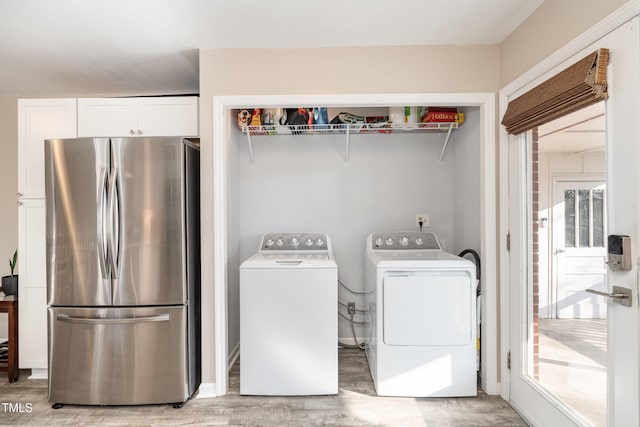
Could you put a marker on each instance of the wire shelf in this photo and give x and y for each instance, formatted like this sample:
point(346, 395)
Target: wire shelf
point(348, 130)
point(352, 128)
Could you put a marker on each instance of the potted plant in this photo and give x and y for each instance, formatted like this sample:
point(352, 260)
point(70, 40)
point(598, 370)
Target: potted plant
point(10, 283)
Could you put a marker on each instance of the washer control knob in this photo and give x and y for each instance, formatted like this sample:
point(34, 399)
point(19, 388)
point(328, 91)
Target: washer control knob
point(320, 241)
point(389, 241)
point(404, 241)
point(379, 241)
point(269, 242)
point(309, 242)
point(279, 242)
point(295, 241)
point(419, 241)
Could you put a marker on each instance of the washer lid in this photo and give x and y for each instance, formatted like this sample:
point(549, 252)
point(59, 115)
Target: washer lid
point(290, 260)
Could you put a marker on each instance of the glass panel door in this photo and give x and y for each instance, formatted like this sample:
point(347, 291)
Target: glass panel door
point(560, 359)
point(575, 218)
point(572, 348)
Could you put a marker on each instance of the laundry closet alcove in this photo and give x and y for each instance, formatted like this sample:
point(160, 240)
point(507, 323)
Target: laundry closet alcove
point(301, 183)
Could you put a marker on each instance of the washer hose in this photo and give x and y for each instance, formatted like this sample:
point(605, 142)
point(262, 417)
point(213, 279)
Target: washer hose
point(476, 258)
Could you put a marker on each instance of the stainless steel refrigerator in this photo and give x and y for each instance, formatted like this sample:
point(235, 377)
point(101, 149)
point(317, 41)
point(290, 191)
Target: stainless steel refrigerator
point(123, 270)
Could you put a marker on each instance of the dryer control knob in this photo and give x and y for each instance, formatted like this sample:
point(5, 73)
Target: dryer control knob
point(404, 241)
point(295, 241)
point(309, 242)
point(419, 241)
point(389, 241)
point(269, 242)
point(279, 242)
point(320, 242)
point(379, 241)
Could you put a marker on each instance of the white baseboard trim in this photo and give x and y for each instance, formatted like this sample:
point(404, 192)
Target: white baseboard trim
point(39, 374)
point(233, 357)
point(206, 390)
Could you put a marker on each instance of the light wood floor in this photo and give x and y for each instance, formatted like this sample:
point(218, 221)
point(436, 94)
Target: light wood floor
point(355, 405)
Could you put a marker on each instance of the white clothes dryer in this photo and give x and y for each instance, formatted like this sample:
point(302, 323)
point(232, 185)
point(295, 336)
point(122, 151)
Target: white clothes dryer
point(421, 333)
point(289, 317)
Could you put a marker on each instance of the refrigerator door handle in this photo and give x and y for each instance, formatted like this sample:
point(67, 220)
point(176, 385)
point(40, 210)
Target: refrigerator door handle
point(101, 224)
point(128, 320)
point(111, 243)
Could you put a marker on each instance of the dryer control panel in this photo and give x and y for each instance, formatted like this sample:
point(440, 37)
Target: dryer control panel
point(295, 242)
point(410, 240)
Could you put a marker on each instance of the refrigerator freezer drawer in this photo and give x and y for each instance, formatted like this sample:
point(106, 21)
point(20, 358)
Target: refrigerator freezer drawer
point(118, 356)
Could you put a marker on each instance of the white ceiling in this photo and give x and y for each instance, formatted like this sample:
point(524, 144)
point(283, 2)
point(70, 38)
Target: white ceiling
point(579, 132)
point(151, 46)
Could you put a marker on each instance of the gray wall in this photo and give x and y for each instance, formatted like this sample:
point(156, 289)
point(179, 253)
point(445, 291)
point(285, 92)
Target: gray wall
point(8, 188)
point(8, 181)
point(302, 184)
point(466, 186)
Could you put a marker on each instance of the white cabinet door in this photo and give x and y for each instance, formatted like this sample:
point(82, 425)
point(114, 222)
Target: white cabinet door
point(107, 117)
point(40, 119)
point(168, 116)
point(153, 116)
point(32, 304)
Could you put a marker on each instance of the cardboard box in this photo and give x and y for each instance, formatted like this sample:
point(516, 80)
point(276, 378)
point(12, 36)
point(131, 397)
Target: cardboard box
point(441, 115)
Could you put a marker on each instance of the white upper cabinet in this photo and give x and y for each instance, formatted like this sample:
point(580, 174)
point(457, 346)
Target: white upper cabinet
point(153, 116)
point(107, 117)
point(40, 119)
point(169, 116)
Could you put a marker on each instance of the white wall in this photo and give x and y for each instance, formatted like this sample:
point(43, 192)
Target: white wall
point(360, 70)
point(301, 184)
point(550, 26)
point(552, 165)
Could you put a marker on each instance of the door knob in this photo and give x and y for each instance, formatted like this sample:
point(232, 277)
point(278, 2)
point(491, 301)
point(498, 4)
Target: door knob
point(619, 295)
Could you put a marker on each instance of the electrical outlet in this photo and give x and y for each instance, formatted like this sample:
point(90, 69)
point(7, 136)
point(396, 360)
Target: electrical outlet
point(424, 218)
point(351, 307)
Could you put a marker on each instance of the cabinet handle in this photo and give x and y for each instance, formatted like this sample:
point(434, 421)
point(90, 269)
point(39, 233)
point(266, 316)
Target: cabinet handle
point(139, 132)
point(19, 203)
point(131, 132)
point(19, 194)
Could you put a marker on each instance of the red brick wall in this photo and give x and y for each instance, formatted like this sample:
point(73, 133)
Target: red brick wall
point(535, 198)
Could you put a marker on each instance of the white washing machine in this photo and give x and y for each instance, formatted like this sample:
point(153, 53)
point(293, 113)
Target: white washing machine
point(421, 333)
point(289, 317)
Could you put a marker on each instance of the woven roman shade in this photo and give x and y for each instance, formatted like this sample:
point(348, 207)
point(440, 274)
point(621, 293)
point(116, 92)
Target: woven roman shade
point(582, 84)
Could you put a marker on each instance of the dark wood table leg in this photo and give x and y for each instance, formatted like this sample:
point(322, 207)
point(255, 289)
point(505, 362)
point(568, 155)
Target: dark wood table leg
point(12, 365)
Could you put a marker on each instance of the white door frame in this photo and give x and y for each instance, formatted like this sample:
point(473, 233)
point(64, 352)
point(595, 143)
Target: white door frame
point(217, 167)
point(527, 81)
